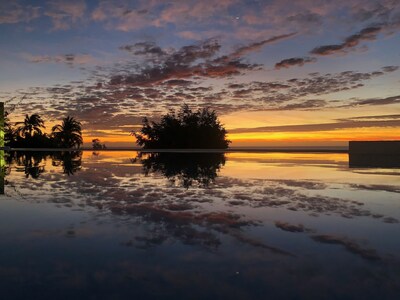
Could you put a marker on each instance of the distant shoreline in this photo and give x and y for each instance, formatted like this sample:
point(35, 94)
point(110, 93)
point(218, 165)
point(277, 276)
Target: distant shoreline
point(309, 149)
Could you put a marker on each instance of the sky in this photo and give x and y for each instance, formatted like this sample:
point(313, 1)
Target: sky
point(277, 72)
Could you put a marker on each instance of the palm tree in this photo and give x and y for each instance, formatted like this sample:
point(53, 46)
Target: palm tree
point(69, 133)
point(31, 124)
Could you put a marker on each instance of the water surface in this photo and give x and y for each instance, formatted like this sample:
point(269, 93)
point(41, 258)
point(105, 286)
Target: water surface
point(120, 225)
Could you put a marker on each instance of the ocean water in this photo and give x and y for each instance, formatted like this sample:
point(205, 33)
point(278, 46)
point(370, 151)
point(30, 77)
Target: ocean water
point(125, 225)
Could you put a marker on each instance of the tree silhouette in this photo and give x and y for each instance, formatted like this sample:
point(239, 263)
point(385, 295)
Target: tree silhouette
point(68, 134)
point(10, 134)
point(31, 125)
point(96, 145)
point(185, 129)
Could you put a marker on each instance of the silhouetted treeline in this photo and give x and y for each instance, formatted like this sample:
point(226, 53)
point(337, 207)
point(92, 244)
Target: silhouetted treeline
point(29, 133)
point(186, 129)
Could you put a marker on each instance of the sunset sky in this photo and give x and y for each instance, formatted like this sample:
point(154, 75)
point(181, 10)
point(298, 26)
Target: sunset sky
point(278, 72)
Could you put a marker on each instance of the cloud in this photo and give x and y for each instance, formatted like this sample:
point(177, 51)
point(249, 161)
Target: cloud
point(310, 104)
point(306, 19)
point(178, 82)
point(123, 15)
point(240, 52)
point(321, 126)
point(189, 11)
point(197, 60)
point(122, 103)
point(290, 227)
point(387, 21)
point(144, 48)
point(375, 117)
point(374, 11)
point(11, 12)
point(65, 13)
point(294, 61)
point(390, 69)
point(375, 101)
point(68, 59)
point(366, 34)
point(110, 100)
point(350, 245)
point(279, 95)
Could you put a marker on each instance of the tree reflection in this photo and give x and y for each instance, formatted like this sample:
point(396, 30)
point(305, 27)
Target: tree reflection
point(185, 169)
point(33, 163)
point(70, 161)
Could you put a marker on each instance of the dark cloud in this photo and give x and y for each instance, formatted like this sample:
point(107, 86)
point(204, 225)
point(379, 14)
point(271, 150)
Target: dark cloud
point(11, 12)
point(186, 62)
point(190, 61)
point(144, 48)
point(240, 52)
point(165, 77)
point(350, 245)
point(124, 100)
point(287, 95)
point(306, 19)
point(375, 117)
point(376, 187)
point(294, 61)
point(69, 59)
point(320, 127)
point(179, 82)
point(377, 12)
point(302, 105)
point(290, 227)
point(390, 68)
point(376, 101)
point(366, 34)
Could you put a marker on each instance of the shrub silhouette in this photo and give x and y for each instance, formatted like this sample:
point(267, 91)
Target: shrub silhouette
point(185, 129)
point(96, 145)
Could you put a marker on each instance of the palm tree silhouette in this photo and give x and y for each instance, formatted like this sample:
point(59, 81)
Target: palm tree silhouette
point(69, 133)
point(31, 124)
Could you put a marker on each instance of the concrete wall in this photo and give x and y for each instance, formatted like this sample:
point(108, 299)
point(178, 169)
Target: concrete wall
point(374, 154)
point(374, 147)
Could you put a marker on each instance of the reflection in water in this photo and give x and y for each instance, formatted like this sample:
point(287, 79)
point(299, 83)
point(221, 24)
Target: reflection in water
point(70, 161)
point(3, 168)
point(258, 224)
point(374, 160)
point(33, 163)
point(184, 168)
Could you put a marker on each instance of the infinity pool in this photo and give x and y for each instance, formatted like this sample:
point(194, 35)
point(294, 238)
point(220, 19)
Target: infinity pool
point(125, 225)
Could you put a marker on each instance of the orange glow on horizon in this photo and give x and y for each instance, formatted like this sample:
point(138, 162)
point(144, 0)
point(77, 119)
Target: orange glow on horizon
point(333, 137)
point(340, 135)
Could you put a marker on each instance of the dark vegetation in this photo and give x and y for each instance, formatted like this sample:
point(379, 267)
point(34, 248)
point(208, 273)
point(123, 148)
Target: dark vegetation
point(97, 145)
point(185, 169)
point(185, 129)
point(29, 133)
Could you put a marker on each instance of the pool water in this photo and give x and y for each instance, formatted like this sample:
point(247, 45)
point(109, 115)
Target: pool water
point(125, 225)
